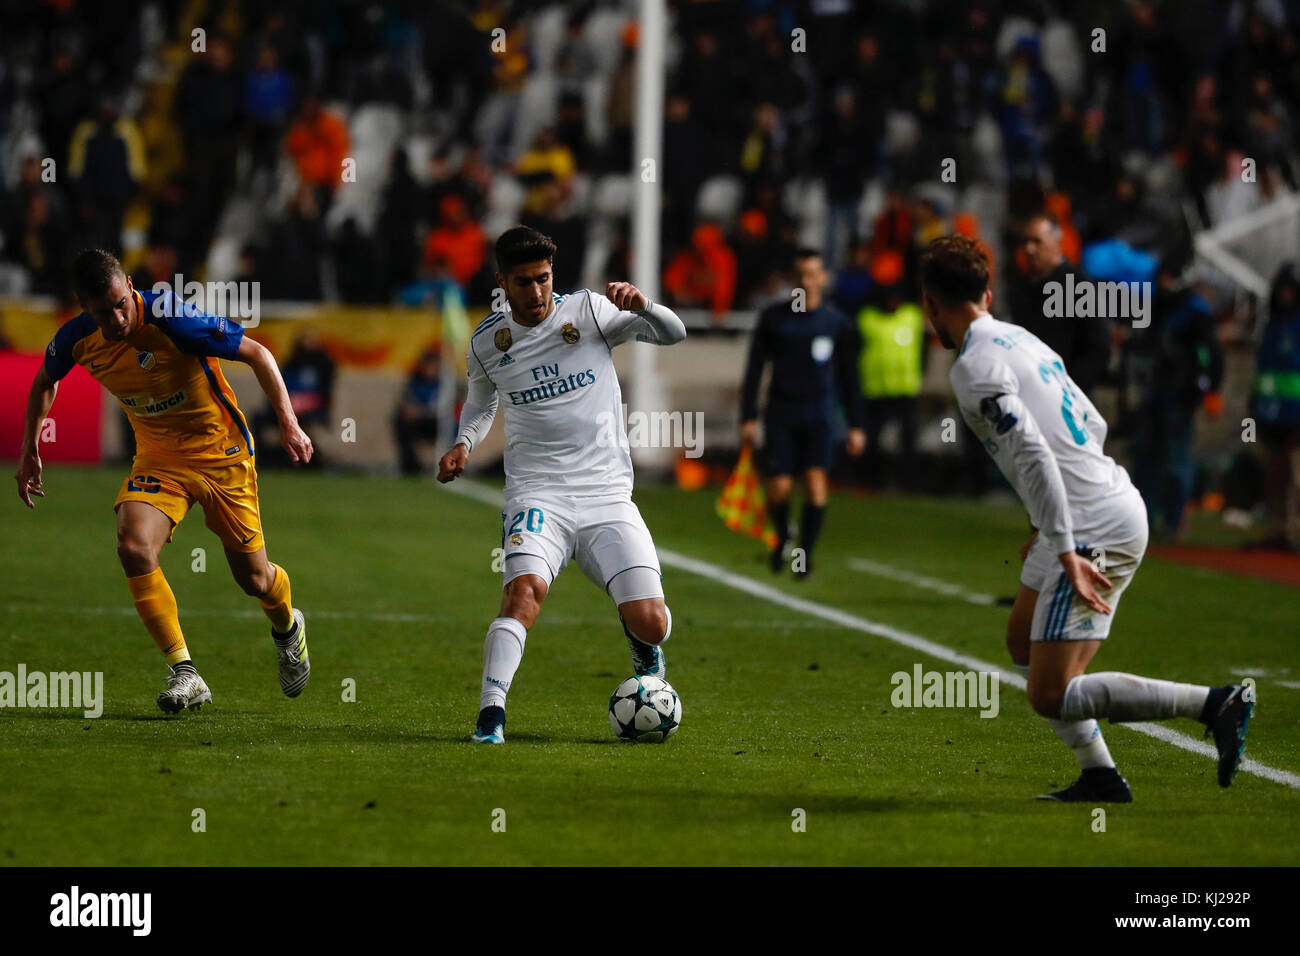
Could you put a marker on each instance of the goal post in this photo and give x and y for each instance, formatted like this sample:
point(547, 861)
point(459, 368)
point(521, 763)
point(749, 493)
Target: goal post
point(647, 393)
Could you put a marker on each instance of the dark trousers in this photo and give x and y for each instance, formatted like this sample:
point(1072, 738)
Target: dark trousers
point(1163, 467)
point(879, 412)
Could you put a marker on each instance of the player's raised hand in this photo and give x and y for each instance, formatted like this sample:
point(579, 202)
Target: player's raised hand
point(28, 477)
point(1085, 579)
point(296, 443)
point(452, 464)
point(626, 296)
point(856, 443)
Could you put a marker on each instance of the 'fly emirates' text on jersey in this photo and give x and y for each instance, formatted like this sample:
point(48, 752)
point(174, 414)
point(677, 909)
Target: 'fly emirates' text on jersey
point(1045, 435)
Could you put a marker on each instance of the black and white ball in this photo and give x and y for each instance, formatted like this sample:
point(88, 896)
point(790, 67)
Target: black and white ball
point(645, 709)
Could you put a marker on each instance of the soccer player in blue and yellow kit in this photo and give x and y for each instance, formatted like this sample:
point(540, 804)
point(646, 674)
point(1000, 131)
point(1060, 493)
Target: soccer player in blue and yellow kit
point(158, 356)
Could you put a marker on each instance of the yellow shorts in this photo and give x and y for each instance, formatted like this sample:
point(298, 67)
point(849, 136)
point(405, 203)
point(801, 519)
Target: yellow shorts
point(228, 494)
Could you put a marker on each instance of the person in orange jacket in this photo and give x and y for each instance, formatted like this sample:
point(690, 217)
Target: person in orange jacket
point(317, 143)
point(704, 274)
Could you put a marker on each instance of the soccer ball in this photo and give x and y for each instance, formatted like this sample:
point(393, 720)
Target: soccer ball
point(645, 709)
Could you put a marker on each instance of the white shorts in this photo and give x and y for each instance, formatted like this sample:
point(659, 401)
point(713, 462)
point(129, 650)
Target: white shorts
point(1058, 614)
point(540, 533)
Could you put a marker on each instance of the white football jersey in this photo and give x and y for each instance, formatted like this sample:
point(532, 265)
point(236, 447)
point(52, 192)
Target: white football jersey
point(1045, 435)
point(563, 405)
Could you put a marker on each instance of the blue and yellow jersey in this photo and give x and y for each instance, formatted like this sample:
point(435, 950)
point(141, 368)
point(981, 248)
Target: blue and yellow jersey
point(167, 376)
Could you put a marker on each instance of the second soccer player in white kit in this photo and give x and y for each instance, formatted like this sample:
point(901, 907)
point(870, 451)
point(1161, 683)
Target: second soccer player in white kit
point(547, 359)
point(1046, 437)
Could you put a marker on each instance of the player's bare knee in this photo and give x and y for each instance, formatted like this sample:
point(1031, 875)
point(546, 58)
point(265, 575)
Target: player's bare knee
point(522, 599)
point(137, 555)
point(1046, 701)
point(255, 582)
point(648, 623)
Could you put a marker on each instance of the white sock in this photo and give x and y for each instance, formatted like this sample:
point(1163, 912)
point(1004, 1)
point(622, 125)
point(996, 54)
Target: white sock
point(1125, 697)
point(1085, 739)
point(1021, 669)
point(503, 649)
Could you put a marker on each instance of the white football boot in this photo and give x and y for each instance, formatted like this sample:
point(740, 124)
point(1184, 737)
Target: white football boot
point(184, 690)
point(291, 648)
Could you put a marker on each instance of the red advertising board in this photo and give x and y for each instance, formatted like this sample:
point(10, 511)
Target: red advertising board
point(76, 412)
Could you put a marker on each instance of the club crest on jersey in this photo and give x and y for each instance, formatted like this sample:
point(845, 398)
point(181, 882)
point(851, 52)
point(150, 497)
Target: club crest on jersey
point(516, 539)
point(569, 333)
point(503, 339)
point(146, 360)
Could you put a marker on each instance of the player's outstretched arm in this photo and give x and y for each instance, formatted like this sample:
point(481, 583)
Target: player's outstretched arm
point(39, 401)
point(257, 357)
point(640, 318)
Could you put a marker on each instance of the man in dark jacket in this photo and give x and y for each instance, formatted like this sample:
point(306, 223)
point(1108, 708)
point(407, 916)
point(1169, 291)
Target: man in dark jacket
point(1179, 362)
point(1082, 343)
point(814, 350)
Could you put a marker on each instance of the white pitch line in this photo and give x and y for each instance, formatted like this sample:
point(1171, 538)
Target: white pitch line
point(844, 619)
point(921, 581)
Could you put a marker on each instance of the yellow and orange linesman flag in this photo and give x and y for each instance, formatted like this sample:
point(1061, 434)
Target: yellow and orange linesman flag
point(741, 505)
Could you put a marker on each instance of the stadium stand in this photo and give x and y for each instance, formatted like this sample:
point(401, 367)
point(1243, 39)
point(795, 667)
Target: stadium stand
point(201, 138)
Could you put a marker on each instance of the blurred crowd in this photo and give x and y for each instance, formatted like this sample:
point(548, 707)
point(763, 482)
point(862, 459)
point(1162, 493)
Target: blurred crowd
point(370, 152)
point(825, 121)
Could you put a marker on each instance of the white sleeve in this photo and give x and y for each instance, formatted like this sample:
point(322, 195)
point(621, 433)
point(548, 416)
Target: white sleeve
point(480, 406)
point(1020, 450)
point(656, 324)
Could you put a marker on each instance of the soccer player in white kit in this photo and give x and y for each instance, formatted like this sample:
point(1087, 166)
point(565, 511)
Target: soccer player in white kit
point(1046, 437)
point(548, 360)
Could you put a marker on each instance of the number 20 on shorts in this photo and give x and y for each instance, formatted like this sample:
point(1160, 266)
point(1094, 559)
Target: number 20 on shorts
point(533, 524)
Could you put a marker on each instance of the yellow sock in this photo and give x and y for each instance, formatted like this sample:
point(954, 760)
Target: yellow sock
point(156, 605)
point(277, 602)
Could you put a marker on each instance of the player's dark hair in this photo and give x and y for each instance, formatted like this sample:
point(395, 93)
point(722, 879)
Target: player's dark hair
point(955, 270)
point(521, 244)
point(806, 252)
point(93, 271)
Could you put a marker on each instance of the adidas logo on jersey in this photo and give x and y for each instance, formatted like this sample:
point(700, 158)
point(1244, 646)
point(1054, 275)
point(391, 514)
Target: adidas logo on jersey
point(505, 360)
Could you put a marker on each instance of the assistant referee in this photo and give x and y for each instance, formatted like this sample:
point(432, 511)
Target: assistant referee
point(813, 348)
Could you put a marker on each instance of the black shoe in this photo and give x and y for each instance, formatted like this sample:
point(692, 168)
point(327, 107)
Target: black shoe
point(1229, 728)
point(777, 559)
point(802, 574)
point(1095, 785)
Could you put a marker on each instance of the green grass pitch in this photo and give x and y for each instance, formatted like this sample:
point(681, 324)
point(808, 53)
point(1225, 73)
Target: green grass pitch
point(782, 711)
